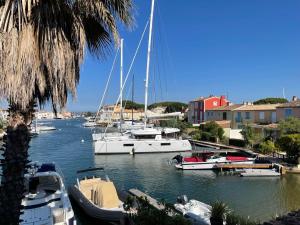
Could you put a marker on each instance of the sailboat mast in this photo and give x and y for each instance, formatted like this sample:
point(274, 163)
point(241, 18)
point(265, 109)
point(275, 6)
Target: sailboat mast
point(121, 84)
point(148, 61)
point(132, 92)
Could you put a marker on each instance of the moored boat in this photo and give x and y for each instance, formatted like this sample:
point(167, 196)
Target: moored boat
point(207, 161)
point(198, 213)
point(46, 200)
point(98, 198)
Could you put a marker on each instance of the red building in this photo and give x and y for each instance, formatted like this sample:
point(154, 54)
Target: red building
point(198, 107)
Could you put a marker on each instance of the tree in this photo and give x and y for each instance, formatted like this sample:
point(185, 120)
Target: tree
point(267, 147)
point(211, 131)
point(290, 144)
point(170, 106)
point(42, 45)
point(290, 125)
point(270, 101)
point(249, 135)
point(132, 105)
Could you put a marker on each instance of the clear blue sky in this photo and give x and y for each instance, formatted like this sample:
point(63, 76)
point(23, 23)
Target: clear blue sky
point(246, 49)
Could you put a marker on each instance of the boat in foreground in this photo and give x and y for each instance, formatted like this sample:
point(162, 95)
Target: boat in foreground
point(208, 161)
point(98, 198)
point(198, 213)
point(46, 200)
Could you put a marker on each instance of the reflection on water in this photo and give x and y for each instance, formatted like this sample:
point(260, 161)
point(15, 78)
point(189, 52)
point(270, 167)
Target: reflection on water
point(260, 198)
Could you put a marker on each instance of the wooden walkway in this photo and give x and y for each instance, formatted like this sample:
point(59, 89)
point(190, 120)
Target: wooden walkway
point(152, 201)
point(217, 145)
point(243, 166)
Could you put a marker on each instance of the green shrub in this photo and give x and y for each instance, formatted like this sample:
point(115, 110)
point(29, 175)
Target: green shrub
point(266, 147)
point(290, 125)
point(211, 131)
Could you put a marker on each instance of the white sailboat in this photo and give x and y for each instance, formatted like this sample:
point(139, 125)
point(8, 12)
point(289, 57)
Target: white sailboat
point(144, 140)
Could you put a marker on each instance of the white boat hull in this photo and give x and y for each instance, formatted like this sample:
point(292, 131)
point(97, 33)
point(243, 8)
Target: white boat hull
point(207, 165)
point(136, 146)
point(92, 210)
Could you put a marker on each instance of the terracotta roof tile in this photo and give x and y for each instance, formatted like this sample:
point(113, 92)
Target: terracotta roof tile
point(293, 104)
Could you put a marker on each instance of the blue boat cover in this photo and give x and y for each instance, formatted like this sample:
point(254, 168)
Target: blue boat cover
point(47, 167)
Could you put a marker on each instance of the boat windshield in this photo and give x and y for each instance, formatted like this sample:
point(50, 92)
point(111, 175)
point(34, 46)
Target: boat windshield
point(42, 184)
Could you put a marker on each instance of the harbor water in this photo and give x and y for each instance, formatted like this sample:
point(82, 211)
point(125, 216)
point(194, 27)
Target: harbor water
point(71, 148)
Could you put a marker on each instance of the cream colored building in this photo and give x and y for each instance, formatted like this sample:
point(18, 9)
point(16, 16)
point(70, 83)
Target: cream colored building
point(241, 114)
point(290, 109)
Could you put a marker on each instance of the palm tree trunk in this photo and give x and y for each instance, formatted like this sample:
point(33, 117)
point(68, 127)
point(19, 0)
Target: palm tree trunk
point(14, 162)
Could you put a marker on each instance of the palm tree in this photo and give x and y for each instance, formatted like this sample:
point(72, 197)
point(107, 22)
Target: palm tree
point(42, 45)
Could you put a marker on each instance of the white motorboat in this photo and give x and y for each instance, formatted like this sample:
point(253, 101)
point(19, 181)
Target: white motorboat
point(209, 161)
point(260, 173)
point(198, 213)
point(44, 128)
point(98, 198)
point(90, 124)
point(147, 140)
point(46, 200)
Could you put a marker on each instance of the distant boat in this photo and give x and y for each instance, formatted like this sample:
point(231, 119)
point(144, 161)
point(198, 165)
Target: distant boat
point(198, 213)
point(98, 198)
point(46, 200)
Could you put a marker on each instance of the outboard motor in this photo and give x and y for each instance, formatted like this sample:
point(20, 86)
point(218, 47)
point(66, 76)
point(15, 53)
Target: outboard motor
point(182, 199)
point(178, 158)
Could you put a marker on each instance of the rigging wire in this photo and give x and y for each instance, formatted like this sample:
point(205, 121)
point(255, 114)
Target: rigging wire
point(129, 70)
point(107, 84)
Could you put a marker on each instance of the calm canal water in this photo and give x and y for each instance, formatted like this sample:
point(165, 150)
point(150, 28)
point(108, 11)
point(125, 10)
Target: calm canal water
point(259, 198)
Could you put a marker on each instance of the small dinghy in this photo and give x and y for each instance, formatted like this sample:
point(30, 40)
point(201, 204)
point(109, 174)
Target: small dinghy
point(195, 211)
point(46, 200)
point(98, 198)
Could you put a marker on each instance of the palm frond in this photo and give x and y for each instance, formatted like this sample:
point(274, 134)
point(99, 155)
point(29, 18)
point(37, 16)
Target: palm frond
point(42, 44)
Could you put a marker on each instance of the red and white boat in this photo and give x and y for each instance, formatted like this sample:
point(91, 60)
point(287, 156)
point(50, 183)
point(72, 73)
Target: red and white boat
point(209, 161)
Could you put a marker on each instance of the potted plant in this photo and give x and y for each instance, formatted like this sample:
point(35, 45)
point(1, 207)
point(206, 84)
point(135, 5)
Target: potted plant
point(218, 212)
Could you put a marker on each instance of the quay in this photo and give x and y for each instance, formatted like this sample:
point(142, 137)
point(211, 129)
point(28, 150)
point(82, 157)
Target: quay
point(153, 202)
point(139, 194)
point(218, 146)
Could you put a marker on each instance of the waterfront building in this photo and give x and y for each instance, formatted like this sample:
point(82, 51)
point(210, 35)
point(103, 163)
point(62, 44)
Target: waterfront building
point(198, 107)
point(261, 117)
point(113, 113)
point(288, 109)
point(246, 113)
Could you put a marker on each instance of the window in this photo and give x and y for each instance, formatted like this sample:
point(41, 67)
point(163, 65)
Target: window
point(128, 145)
point(261, 115)
point(247, 116)
point(273, 117)
point(287, 113)
point(164, 144)
point(239, 117)
point(224, 116)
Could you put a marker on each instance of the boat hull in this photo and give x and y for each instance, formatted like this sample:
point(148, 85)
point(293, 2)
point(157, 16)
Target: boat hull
point(92, 210)
point(141, 146)
point(206, 165)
